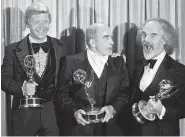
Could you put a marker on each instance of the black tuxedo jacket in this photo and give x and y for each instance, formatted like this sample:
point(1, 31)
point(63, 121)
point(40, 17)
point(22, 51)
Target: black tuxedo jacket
point(175, 105)
point(70, 95)
point(13, 72)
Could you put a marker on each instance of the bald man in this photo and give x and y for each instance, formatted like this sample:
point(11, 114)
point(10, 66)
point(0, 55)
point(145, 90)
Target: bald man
point(110, 84)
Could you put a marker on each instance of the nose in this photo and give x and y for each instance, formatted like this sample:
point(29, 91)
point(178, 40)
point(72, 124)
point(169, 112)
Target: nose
point(41, 24)
point(111, 41)
point(146, 38)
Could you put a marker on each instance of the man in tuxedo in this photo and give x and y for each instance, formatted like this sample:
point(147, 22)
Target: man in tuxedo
point(158, 39)
point(47, 51)
point(109, 86)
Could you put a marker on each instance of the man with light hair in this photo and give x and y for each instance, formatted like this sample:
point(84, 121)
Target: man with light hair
point(47, 51)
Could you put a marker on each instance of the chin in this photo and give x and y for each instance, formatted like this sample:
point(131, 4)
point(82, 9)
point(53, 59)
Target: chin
point(42, 37)
point(110, 52)
point(106, 53)
point(148, 56)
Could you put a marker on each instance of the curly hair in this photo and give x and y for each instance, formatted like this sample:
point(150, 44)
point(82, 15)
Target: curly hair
point(169, 34)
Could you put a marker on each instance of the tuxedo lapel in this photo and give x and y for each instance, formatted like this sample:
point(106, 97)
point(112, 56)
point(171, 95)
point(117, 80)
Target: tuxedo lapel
point(58, 52)
point(164, 71)
point(137, 77)
point(82, 62)
point(111, 77)
point(22, 51)
point(139, 74)
point(153, 87)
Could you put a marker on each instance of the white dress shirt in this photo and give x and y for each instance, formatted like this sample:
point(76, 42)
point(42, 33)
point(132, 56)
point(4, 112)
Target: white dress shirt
point(40, 57)
point(149, 75)
point(97, 62)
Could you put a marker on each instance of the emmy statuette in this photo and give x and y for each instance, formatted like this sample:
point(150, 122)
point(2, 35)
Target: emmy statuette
point(93, 114)
point(139, 110)
point(30, 101)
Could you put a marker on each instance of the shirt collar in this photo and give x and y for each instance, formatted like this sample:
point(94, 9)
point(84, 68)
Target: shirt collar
point(97, 62)
point(91, 53)
point(159, 59)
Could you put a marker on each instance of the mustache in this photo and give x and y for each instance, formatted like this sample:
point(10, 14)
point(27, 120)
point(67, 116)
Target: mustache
point(147, 43)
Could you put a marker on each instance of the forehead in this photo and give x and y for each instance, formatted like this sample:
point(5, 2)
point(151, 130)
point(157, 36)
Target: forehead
point(40, 16)
point(152, 27)
point(103, 30)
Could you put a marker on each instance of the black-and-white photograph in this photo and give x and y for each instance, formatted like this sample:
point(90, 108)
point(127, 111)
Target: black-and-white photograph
point(92, 68)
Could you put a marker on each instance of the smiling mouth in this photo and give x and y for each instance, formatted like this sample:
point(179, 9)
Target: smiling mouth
point(40, 31)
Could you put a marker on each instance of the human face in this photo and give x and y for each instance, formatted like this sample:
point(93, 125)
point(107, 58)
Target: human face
point(39, 26)
point(152, 40)
point(103, 41)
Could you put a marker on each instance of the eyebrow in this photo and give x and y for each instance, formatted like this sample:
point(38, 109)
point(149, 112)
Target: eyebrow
point(154, 33)
point(105, 36)
point(150, 33)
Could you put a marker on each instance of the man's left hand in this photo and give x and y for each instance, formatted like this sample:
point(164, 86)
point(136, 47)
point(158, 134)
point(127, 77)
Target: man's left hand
point(109, 113)
point(118, 54)
point(154, 107)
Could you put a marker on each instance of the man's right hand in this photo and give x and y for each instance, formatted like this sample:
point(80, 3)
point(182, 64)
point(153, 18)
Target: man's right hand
point(28, 88)
point(79, 118)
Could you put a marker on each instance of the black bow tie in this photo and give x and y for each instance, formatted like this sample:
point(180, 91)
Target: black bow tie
point(151, 62)
point(36, 47)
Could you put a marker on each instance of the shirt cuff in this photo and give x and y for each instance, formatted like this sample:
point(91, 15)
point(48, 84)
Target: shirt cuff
point(160, 116)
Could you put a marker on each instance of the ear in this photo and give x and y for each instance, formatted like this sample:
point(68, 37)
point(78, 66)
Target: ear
point(92, 42)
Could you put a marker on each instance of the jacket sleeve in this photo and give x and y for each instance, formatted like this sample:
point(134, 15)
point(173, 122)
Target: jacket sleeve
point(121, 99)
point(176, 109)
point(8, 82)
point(63, 96)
